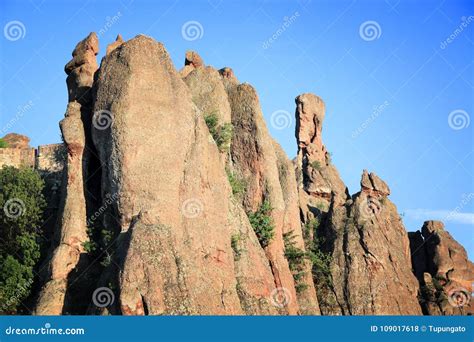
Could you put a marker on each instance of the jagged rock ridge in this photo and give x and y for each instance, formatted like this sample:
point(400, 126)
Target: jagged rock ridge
point(180, 240)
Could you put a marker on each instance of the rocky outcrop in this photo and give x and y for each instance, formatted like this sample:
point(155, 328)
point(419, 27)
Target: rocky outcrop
point(112, 46)
point(370, 267)
point(254, 160)
point(172, 200)
point(72, 226)
point(362, 261)
point(201, 223)
point(319, 182)
point(14, 140)
point(445, 274)
point(207, 89)
point(192, 61)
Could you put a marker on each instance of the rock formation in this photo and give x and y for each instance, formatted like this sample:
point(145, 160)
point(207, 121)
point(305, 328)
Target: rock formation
point(112, 46)
point(319, 181)
point(445, 274)
point(370, 267)
point(178, 201)
point(14, 140)
point(172, 199)
point(72, 226)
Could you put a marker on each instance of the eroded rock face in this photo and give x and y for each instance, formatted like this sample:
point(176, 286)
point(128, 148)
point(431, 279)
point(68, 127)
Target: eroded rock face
point(254, 159)
point(173, 201)
point(318, 179)
point(138, 142)
point(443, 270)
point(72, 226)
point(208, 93)
point(370, 269)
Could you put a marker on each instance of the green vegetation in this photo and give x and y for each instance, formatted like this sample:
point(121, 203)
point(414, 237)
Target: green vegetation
point(296, 260)
point(320, 261)
point(262, 223)
point(321, 206)
point(235, 244)
point(3, 143)
point(328, 158)
point(237, 184)
point(316, 165)
point(212, 122)
point(100, 241)
point(222, 134)
point(21, 215)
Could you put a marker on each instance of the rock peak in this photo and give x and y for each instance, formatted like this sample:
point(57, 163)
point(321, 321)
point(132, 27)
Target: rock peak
point(372, 183)
point(15, 140)
point(81, 68)
point(193, 58)
point(430, 227)
point(112, 46)
point(310, 111)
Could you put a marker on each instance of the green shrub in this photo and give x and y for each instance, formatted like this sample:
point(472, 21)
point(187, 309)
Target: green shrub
point(262, 223)
point(224, 137)
point(3, 143)
point(296, 260)
point(321, 262)
point(237, 184)
point(211, 122)
point(235, 244)
point(21, 215)
point(321, 266)
point(89, 246)
point(316, 165)
point(222, 134)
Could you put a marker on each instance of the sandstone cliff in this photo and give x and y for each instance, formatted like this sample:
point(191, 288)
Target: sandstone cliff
point(445, 274)
point(178, 201)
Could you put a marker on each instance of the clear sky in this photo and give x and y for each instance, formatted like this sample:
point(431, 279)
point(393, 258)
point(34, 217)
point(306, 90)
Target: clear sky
point(397, 78)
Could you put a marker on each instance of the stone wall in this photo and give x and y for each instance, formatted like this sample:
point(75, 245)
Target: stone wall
point(50, 157)
point(45, 157)
point(17, 157)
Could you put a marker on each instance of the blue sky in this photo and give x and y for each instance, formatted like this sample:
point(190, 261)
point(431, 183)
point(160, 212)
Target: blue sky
point(397, 78)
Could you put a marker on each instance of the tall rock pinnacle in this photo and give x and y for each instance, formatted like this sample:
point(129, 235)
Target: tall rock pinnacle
point(72, 229)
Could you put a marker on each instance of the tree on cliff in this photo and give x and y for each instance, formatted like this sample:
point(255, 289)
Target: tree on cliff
point(21, 211)
point(3, 143)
